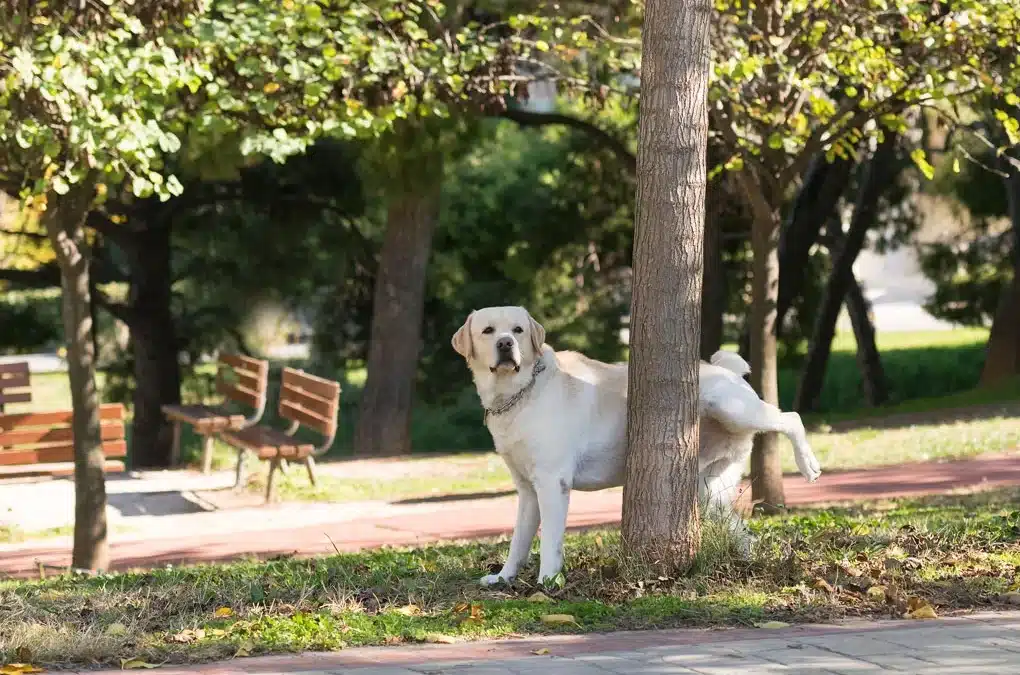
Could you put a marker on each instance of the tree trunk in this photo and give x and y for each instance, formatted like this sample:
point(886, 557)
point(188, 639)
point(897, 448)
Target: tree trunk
point(878, 173)
point(65, 229)
point(876, 390)
point(154, 346)
point(1003, 354)
point(713, 287)
point(384, 417)
point(814, 206)
point(766, 471)
point(660, 507)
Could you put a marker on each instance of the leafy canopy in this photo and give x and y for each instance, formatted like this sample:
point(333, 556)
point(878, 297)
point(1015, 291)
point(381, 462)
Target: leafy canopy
point(111, 97)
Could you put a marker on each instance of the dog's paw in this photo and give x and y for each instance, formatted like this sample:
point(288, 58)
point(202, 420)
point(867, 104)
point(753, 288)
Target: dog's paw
point(493, 580)
point(809, 467)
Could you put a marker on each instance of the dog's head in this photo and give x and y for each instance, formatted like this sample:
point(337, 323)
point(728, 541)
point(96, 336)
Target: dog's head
point(500, 339)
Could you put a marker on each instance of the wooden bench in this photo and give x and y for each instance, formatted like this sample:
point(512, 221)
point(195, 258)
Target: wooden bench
point(304, 400)
point(240, 380)
point(32, 442)
point(14, 384)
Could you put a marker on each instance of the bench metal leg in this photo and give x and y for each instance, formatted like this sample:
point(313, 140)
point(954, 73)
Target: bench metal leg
point(274, 464)
point(175, 451)
point(310, 465)
point(239, 473)
point(207, 448)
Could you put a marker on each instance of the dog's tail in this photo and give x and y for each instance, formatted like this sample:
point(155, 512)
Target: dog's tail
point(731, 361)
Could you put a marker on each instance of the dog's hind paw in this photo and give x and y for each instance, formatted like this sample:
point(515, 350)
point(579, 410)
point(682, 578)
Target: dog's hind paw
point(492, 580)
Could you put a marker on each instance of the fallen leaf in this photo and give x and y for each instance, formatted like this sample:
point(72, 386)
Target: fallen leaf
point(19, 669)
point(477, 612)
point(823, 585)
point(461, 607)
point(224, 612)
point(409, 610)
point(920, 609)
point(244, 650)
point(772, 624)
point(558, 619)
point(598, 541)
point(539, 596)
point(136, 664)
point(541, 652)
point(189, 635)
point(394, 640)
point(877, 593)
point(439, 638)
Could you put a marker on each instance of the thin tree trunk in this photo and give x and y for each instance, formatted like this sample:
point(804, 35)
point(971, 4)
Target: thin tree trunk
point(869, 360)
point(877, 175)
point(660, 508)
point(154, 345)
point(814, 206)
point(65, 227)
point(1002, 360)
point(713, 288)
point(384, 417)
point(766, 470)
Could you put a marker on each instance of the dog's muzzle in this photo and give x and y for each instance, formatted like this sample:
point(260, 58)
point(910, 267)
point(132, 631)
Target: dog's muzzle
point(506, 355)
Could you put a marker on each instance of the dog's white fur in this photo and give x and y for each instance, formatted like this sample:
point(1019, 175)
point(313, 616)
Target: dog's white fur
point(569, 428)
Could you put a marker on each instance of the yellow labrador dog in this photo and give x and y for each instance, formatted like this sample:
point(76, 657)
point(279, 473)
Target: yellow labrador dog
point(559, 420)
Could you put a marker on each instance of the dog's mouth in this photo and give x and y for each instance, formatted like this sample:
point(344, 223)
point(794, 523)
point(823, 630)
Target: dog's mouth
point(506, 363)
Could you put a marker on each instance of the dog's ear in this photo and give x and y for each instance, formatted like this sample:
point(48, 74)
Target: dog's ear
point(462, 342)
point(537, 334)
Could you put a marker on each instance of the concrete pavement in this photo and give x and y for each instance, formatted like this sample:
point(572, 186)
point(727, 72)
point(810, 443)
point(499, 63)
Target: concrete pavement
point(979, 644)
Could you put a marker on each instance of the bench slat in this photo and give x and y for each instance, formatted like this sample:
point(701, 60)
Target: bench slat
point(107, 411)
point(238, 393)
point(15, 397)
point(321, 387)
point(110, 431)
point(56, 453)
point(14, 380)
point(294, 413)
point(18, 367)
point(256, 367)
point(310, 402)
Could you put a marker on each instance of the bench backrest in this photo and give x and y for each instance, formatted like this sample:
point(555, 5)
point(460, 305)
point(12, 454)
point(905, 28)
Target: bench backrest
point(309, 400)
point(14, 384)
point(47, 437)
point(243, 380)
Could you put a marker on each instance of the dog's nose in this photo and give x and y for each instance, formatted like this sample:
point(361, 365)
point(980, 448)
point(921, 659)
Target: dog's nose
point(505, 344)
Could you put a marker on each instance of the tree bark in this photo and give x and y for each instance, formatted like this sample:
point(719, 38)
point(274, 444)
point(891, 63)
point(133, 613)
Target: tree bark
point(660, 508)
point(869, 360)
point(766, 472)
point(384, 416)
point(713, 287)
point(65, 219)
point(154, 346)
point(814, 206)
point(1002, 360)
point(879, 171)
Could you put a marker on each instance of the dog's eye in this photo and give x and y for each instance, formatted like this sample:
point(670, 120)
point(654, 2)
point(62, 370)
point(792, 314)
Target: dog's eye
point(488, 330)
point(518, 329)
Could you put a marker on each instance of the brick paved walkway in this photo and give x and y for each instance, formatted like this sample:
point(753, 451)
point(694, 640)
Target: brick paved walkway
point(979, 644)
point(276, 531)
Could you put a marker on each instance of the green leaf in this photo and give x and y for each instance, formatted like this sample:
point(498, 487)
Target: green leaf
point(60, 185)
point(921, 161)
point(776, 140)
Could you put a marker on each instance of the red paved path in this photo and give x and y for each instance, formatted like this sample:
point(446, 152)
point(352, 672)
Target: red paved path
point(492, 517)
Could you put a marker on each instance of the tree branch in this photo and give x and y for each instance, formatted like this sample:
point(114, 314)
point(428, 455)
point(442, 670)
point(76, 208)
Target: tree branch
point(527, 118)
point(118, 310)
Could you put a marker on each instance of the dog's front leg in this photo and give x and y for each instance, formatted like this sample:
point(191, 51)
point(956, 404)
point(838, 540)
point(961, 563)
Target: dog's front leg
point(553, 502)
point(524, 532)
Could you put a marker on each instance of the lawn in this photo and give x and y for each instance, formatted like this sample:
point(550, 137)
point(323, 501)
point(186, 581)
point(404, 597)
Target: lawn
point(906, 559)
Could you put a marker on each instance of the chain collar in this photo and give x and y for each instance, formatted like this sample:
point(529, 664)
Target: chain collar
point(508, 404)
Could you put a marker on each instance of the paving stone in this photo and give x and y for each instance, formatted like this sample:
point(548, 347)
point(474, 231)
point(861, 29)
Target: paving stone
point(854, 645)
point(808, 656)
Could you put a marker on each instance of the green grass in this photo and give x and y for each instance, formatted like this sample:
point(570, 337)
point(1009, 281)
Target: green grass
point(952, 553)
